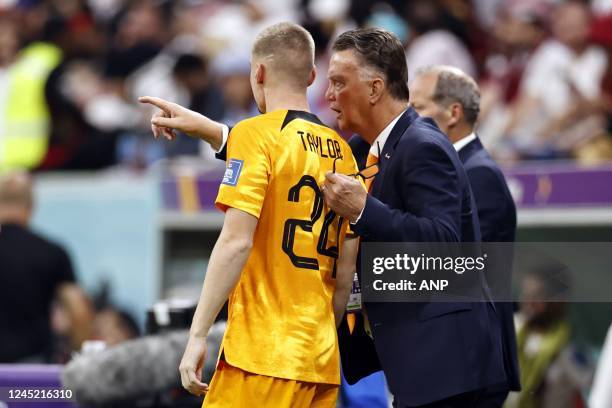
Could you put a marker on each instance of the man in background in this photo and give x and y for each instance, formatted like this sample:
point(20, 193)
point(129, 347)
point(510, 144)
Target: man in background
point(554, 373)
point(33, 273)
point(452, 99)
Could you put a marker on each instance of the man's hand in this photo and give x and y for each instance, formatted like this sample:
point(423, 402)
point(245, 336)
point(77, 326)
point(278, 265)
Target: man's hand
point(345, 195)
point(172, 116)
point(191, 366)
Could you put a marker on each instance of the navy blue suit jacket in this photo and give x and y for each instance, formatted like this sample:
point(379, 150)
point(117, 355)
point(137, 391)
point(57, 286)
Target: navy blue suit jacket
point(497, 215)
point(428, 351)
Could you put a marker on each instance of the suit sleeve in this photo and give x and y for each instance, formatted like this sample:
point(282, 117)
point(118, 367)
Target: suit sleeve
point(496, 209)
point(431, 197)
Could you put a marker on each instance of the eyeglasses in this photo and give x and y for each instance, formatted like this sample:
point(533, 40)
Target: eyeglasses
point(365, 173)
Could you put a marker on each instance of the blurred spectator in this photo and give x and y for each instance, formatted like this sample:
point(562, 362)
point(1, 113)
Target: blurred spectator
point(519, 29)
point(25, 118)
point(34, 272)
point(141, 32)
point(601, 393)
point(73, 142)
point(600, 147)
point(9, 43)
point(114, 326)
point(233, 69)
point(562, 74)
point(553, 373)
point(431, 42)
point(383, 16)
point(9, 47)
point(191, 74)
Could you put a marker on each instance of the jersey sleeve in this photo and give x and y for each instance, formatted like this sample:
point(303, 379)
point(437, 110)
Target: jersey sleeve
point(247, 171)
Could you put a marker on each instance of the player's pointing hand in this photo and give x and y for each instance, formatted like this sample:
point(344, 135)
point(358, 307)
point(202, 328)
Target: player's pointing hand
point(172, 117)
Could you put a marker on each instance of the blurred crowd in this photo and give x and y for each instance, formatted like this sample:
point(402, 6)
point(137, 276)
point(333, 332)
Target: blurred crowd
point(71, 70)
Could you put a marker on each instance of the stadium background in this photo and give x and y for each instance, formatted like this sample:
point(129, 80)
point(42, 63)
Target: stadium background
point(136, 214)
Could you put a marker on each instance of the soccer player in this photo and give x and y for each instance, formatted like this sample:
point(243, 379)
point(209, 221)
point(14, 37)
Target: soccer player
point(281, 257)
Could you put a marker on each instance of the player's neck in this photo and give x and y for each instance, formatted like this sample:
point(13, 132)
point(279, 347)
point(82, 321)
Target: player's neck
point(283, 99)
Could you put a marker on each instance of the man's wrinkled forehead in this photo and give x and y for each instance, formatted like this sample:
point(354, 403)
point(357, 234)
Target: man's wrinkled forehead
point(343, 62)
point(347, 63)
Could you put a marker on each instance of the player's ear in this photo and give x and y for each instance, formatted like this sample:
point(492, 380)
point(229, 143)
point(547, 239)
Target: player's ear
point(312, 76)
point(377, 88)
point(260, 73)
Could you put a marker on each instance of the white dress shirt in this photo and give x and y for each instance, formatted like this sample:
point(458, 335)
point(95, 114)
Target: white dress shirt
point(379, 143)
point(225, 134)
point(461, 143)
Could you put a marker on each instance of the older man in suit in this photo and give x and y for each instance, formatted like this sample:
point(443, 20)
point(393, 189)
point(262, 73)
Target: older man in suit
point(433, 354)
point(452, 99)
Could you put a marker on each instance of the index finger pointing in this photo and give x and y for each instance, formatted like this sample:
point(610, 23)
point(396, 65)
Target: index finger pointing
point(159, 102)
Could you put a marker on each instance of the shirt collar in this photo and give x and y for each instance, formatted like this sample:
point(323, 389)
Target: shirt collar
point(382, 137)
point(460, 144)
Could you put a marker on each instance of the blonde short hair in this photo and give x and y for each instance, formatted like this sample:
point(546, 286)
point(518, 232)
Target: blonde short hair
point(289, 49)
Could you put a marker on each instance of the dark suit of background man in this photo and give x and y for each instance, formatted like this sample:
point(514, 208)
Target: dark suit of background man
point(452, 99)
point(432, 354)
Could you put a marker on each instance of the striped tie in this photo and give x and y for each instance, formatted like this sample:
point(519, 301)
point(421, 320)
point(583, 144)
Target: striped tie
point(372, 160)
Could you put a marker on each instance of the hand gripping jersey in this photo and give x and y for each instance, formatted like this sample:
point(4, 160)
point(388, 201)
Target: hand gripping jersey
point(281, 320)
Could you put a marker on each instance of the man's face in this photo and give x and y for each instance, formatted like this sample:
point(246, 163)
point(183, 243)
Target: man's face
point(422, 90)
point(571, 25)
point(534, 308)
point(347, 92)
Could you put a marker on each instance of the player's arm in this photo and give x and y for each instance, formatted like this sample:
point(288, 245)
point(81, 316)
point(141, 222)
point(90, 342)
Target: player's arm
point(172, 116)
point(344, 276)
point(226, 262)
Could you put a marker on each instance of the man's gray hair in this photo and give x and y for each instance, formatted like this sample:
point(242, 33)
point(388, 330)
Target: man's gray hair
point(455, 86)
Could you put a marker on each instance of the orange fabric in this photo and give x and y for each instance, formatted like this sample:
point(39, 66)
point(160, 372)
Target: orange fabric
point(350, 319)
point(281, 318)
point(236, 388)
point(372, 160)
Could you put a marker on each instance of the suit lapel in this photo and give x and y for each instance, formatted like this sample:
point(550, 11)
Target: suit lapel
point(470, 149)
point(387, 152)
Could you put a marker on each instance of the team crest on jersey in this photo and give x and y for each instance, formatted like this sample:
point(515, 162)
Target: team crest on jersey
point(232, 172)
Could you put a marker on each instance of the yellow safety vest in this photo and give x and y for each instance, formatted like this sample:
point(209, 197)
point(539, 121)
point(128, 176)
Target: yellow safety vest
point(24, 133)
